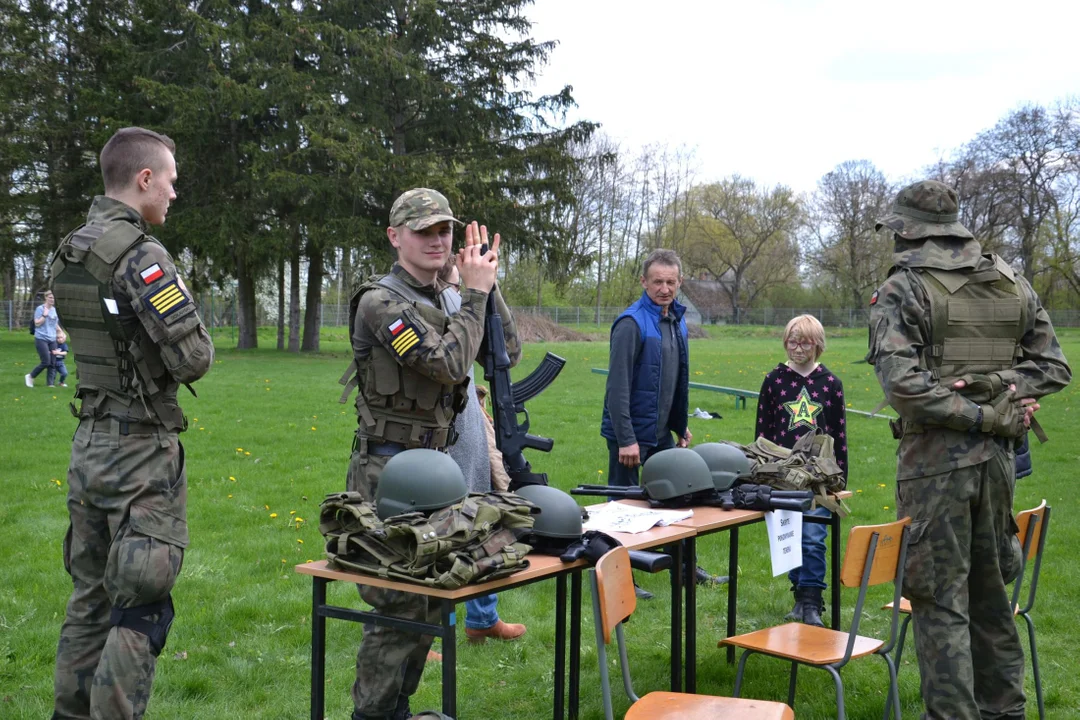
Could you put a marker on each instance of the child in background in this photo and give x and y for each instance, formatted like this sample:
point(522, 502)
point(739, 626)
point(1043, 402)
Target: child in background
point(797, 397)
point(59, 354)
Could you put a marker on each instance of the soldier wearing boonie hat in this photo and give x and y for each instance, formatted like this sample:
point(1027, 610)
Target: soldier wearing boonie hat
point(963, 349)
point(411, 363)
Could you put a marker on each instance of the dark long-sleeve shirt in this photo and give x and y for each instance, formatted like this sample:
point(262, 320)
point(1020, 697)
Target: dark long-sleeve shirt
point(625, 348)
point(791, 405)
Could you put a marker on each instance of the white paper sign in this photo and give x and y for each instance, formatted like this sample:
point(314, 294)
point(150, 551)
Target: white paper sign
point(785, 539)
point(616, 517)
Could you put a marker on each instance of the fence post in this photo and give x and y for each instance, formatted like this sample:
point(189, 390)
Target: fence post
point(556, 314)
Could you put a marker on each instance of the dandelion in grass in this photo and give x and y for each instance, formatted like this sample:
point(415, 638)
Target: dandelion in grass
point(292, 512)
point(885, 508)
point(313, 428)
point(232, 479)
point(881, 484)
point(246, 452)
point(299, 541)
point(266, 507)
point(239, 449)
point(273, 516)
point(282, 561)
point(230, 496)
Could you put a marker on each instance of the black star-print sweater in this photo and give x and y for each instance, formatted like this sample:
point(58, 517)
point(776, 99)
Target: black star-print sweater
point(790, 405)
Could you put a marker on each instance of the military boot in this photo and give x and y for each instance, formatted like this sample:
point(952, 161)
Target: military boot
point(812, 605)
point(796, 614)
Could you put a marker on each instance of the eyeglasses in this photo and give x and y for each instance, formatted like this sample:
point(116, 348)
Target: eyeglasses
point(793, 345)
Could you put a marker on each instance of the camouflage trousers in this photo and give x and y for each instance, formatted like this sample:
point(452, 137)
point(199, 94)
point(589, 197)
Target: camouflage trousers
point(963, 552)
point(124, 547)
point(390, 662)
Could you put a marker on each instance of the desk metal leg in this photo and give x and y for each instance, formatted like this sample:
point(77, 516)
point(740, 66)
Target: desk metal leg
point(834, 525)
point(318, 648)
point(575, 641)
point(677, 570)
point(690, 563)
point(560, 645)
point(449, 663)
point(732, 588)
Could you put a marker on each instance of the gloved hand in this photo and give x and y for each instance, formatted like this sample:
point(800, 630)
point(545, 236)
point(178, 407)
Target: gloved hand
point(979, 389)
point(1004, 416)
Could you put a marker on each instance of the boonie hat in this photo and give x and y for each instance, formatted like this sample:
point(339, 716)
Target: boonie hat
point(925, 209)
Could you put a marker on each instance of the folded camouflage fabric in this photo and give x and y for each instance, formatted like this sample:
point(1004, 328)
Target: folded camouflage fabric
point(472, 541)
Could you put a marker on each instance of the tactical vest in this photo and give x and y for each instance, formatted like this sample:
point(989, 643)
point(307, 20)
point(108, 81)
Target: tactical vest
point(395, 403)
point(476, 540)
point(114, 367)
point(977, 321)
point(809, 465)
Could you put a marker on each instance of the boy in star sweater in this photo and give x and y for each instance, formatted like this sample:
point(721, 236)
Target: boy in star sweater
point(797, 397)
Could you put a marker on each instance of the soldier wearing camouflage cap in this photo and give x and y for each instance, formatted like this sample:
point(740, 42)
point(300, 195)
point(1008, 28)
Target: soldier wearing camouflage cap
point(963, 350)
point(137, 337)
point(411, 360)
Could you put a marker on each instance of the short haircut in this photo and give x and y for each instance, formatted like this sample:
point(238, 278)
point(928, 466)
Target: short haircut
point(809, 328)
point(661, 257)
point(130, 150)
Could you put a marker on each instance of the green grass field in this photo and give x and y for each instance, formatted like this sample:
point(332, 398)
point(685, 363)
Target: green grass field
point(268, 440)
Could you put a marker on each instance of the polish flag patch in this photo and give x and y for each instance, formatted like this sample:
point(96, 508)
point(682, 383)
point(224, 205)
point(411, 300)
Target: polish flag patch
point(396, 327)
point(151, 274)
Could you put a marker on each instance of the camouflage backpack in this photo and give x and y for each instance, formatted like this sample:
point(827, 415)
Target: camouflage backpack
point(475, 540)
point(809, 465)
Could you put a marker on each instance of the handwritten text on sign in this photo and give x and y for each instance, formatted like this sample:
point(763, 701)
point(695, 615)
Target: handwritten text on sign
point(785, 539)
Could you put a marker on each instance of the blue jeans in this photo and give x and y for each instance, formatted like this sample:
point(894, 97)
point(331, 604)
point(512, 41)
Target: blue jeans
point(812, 572)
point(44, 351)
point(619, 474)
point(480, 614)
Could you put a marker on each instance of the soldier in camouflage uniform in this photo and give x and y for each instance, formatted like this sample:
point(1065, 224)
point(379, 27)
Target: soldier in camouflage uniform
point(963, 349)
point(137, 337)
point(412, 363)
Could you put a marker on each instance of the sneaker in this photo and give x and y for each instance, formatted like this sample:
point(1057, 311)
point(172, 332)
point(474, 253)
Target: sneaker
point(63, 384)
point(29, 380)
point(50, 386)
point(703, 577)
point(499, 631)
point(433, 656)
point(641, 593)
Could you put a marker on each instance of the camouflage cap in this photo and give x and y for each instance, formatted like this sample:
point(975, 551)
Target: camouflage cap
point(421, 208)
point(925, 209)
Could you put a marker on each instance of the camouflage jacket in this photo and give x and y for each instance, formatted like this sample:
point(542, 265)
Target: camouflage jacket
point(412, 359)
point(154, 306)
point(900, 327)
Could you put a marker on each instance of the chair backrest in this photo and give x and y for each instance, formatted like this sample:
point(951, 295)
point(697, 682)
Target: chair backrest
point(1032, 526)
point(886, 556)
point(615, 585)
point(1033, 545)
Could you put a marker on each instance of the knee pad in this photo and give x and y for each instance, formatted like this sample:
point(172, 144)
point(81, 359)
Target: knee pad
point(152, 620)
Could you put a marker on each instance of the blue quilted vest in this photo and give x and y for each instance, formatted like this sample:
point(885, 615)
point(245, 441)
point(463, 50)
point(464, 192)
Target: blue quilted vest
point(645, 391)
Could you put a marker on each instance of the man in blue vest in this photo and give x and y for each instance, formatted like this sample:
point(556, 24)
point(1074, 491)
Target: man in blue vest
point(646, 403)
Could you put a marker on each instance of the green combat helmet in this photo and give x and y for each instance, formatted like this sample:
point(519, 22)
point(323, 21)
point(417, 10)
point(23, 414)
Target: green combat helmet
point(675, 472)
point(559, 519)
point(419, 480)
point(726, 463)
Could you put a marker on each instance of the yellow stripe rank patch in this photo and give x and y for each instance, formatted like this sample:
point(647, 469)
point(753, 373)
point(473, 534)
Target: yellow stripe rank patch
point(168, 300)
point(406, 340)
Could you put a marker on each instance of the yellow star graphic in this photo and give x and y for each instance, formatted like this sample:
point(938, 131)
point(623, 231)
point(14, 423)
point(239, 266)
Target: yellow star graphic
point(803, 410)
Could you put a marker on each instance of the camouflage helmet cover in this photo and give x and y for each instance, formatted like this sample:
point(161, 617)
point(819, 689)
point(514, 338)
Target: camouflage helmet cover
point(727, 463)
point(674, 473)
point(419, 480)
point(420, 208)
point(559, 514)
point(925, 209)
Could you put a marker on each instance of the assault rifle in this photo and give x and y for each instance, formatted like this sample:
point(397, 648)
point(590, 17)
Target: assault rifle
point(745, 496)
point(508, 400)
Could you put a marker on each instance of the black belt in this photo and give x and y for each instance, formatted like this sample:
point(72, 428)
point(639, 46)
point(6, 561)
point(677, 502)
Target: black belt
point(385, 449)
point(104, 425)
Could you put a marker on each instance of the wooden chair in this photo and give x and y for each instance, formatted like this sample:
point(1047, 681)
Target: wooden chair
point(875, 554)
point(613, 602)
point(1032, 528)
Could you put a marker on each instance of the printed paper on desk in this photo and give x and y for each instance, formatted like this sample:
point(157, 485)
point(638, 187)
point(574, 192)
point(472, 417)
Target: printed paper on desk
point(618, 517)
point(785, 539)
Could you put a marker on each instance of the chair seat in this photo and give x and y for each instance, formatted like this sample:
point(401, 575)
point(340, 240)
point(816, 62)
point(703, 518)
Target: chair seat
point(806, 643)
point(905, 607)
point(700, 707)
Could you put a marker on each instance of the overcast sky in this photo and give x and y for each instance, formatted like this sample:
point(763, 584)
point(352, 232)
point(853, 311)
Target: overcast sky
point(784, 90)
